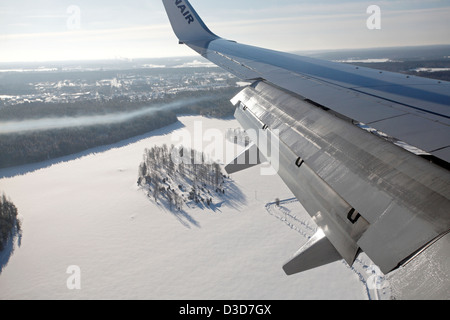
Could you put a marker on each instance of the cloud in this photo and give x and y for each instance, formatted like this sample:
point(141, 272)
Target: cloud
point(8, 127)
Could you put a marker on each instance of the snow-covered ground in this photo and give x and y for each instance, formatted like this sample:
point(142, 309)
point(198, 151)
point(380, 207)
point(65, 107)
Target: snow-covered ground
point(87, 211)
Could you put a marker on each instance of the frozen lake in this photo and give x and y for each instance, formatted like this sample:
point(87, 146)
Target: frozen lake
point(87, 211)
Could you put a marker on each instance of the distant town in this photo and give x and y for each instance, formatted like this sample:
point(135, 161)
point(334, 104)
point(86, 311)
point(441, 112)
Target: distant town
point(138, 81)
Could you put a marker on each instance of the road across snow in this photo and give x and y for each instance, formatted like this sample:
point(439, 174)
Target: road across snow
point(87, 211)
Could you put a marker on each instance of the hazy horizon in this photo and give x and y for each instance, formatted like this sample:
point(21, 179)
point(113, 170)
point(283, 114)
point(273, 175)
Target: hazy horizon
point(380, 51)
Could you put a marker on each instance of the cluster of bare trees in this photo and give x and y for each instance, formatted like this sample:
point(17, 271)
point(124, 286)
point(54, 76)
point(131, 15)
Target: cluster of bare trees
point(9, 224)
point(178, 174)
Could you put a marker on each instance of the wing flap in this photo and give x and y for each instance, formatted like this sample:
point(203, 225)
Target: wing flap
point(318, 251)
point(345, 168)
point(431, 136)
point(248, 158)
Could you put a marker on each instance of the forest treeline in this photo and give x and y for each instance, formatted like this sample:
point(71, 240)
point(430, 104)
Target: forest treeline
point(9, 223)
point(30, 147)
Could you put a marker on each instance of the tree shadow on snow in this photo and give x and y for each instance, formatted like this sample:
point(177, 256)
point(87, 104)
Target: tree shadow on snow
point(233, 198)
point(182, 215)
point(8, 249)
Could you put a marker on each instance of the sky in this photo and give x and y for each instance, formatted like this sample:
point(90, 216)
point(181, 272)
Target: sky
point(49, 30)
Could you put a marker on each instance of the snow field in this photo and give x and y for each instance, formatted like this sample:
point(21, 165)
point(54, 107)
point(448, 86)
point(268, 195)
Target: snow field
point(88, 211)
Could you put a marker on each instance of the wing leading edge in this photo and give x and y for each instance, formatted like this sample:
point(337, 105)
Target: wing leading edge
point(363, 191)
point(389, 102)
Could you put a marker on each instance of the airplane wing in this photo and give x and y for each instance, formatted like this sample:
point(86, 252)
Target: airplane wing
point(366, 152)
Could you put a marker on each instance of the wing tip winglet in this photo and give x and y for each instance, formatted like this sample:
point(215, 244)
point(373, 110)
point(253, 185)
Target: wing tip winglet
point(186, 23)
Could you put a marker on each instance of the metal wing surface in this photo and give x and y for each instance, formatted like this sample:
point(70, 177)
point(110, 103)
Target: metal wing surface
point(365, 151)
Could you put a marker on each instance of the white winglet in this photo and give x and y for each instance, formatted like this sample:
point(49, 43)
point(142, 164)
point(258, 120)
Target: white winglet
point(186, 23)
